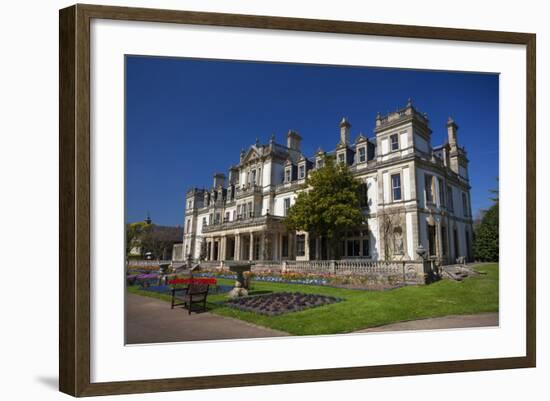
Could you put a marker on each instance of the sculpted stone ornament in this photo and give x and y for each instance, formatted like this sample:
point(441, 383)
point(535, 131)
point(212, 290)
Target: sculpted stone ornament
point(238, 291)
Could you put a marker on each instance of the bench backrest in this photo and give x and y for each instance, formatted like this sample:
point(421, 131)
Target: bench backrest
point(197, 288)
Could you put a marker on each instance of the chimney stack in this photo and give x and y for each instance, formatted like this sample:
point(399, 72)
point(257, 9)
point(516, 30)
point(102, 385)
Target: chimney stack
point(344, 131)
point(219, 180)
point(452, 128)
point(293, 140)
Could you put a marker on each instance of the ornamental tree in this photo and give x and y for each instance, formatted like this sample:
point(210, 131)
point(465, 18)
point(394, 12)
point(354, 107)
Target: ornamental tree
point(134, 233)
point(328, 206)
point(486, 233)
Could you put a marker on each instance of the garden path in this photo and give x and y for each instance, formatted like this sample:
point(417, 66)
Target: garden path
point(150, 320)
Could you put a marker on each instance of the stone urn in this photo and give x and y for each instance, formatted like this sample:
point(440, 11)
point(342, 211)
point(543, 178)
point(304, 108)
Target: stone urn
point(239, 268)
point(163, 271)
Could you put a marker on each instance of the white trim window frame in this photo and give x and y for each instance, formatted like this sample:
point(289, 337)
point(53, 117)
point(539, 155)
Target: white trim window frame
point(394, 145)
point(362, 154)
point(396, 189)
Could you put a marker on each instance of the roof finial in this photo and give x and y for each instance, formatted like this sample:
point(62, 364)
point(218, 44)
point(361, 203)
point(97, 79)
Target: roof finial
point(148, 218)
point(409, 102)
point(272, 139)
point(345, 122)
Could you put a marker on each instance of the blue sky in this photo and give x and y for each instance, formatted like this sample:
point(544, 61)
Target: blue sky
point(186, 119)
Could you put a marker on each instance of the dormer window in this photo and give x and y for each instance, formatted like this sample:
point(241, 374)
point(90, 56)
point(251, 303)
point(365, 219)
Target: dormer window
point(341, 158)
point(288, 174)
point(319, 163)
point(302, 172)
point(394, 141)
point(362, 154)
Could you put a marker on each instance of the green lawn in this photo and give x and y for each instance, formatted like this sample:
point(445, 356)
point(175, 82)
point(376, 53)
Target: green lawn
point(362, 309)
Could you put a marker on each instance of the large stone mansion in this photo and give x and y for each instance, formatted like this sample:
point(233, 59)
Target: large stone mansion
point(412, 194)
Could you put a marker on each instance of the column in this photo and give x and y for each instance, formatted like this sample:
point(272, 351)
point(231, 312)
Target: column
point(291, 242)
point(237, 247)
point(251, 247)
point(306, 247)
point(438, 242)
point(223, 254)
point(262, 245)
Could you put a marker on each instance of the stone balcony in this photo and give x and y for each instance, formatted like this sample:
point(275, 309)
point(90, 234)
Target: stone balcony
point(241, 192)
point(242, 223)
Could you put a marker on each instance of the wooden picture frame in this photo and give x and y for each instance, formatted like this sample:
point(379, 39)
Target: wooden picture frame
point(74, 205)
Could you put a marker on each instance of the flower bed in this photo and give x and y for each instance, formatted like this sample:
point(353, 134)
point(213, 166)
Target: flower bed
point(281, 302)
point(142, 279)
point(167, 289)
point(351, 281)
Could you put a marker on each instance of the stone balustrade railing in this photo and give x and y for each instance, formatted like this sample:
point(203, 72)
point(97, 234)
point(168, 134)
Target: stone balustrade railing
point(147, 263)
point(407, 271)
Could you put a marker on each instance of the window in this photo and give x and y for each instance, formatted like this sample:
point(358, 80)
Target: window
point(363, 195)
point(244, 211)
point(301, 171)
point(428, 180)
point(190, 204)
point(441, 193)
point(226, 217)
point(443, 240)
point(394, 140)
point(320, 163)
point(341, 158)
point(362, 155)
point(431, 240)
point(239, 211)
point(286, 206)
point(217, 221)
point(366, 248)
point(396, 186)
point(284, 248)
point(204, 224)
point(300, 245)
point(188, 225)
point(250, 209)
point(253, 176)
point(353, 247)
point(210, 218)
point(450, 198)
point(234, 215)
point(465, 204)
point(288, 174)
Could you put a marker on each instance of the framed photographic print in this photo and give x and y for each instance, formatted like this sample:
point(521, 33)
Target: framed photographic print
point(235, 189)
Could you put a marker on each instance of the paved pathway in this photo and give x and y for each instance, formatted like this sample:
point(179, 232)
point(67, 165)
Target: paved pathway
point(446, 322)
point(150, 320)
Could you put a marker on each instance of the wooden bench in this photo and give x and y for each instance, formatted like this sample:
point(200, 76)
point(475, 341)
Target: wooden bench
point(194, 293)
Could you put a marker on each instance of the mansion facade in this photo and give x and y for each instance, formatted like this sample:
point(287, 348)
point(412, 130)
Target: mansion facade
point(412, 194)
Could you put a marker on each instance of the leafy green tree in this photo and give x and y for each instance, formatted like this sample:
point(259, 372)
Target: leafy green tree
point(134, 233)
point(486, 233)
point(328, 206)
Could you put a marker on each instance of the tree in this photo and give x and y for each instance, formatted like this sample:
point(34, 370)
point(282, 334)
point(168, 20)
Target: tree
point(328, 206)
point(134, 231)
point(486, 233)
point(159, 240)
